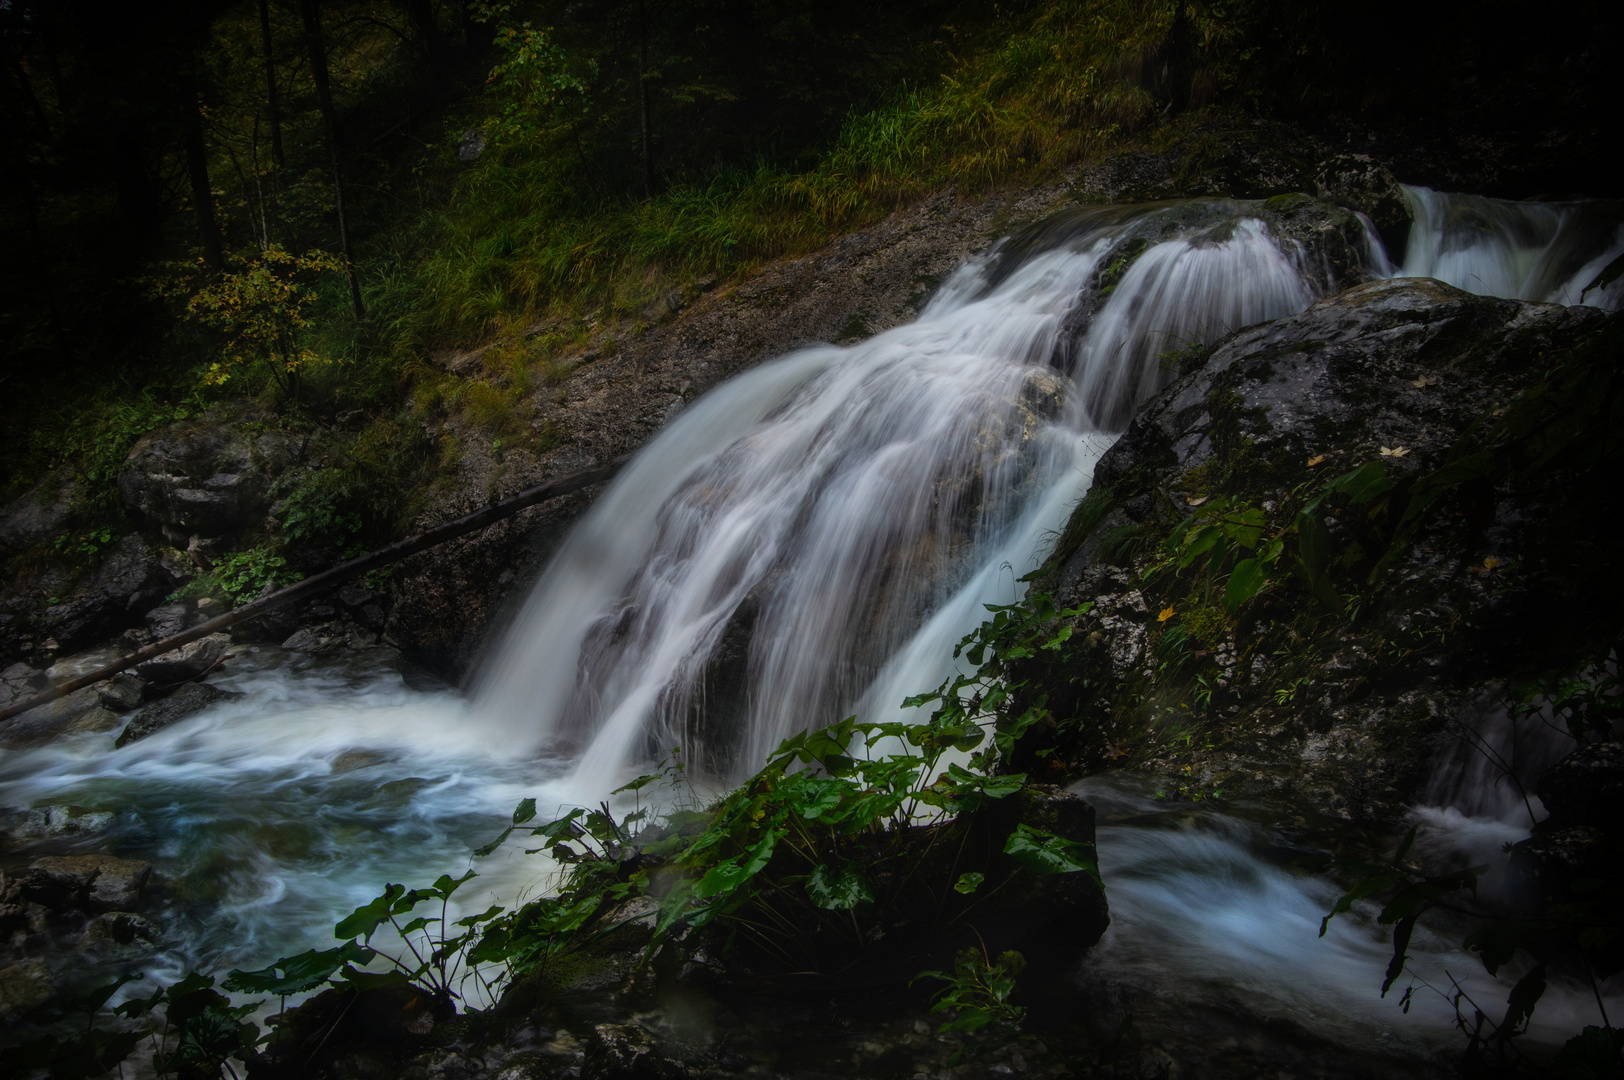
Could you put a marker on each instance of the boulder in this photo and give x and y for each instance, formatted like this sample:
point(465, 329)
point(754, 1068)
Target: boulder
point(205, 480)
point(89, 883)
point(1361, 183)
point(37, 517)
point(129, 581)
point(77, 711)
point(23, 986)
point(123, 692)
point(190, 699)
point(627, 1052)
point(120, 935)
point(190, 661)
point(1586, 788)
point(53, 822)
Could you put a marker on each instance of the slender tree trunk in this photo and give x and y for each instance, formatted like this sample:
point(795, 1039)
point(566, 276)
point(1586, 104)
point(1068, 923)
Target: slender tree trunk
point(311, 12)
point(642, 93)
point(197, 171)
point(273, 106)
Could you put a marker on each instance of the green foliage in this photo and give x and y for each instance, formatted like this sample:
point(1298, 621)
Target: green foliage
point(243, 575)
point(261, 311)
point(977, 992)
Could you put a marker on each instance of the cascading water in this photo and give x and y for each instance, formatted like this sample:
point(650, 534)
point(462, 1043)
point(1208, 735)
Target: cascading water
point(836, 519)
point(807, 540)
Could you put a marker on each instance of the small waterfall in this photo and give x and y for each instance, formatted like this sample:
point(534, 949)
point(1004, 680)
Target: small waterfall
point(811, 537)
point(1541, 251)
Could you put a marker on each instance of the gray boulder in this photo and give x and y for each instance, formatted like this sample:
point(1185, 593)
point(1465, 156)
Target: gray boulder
point(187, 662)
point(129, 581)
point(89, 883)
point(206, 480)
point(37, 517)
point(190, 699)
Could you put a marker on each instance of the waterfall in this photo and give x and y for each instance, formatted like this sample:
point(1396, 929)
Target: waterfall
point(809, 539)
point(1542, 251)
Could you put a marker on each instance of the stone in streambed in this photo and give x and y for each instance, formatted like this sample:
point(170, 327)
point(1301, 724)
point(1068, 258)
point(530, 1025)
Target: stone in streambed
point(123, 692)
point(189, 699)
point(90, 883)
point(187, 662)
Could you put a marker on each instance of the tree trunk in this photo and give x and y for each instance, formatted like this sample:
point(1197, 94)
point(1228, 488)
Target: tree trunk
point(642, 92)
point(272, 104)
point(310, 10)
point(197, 171)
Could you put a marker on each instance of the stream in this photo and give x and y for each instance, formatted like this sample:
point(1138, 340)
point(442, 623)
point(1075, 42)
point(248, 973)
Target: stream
point(833, 521)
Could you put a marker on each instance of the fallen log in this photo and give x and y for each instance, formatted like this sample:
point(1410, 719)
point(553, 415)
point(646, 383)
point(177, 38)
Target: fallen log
point(317, 583)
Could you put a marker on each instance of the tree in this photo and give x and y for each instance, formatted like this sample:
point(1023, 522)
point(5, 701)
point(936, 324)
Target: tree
point(310, 12)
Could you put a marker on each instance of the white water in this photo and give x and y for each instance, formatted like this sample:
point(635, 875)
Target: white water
point(860, 505)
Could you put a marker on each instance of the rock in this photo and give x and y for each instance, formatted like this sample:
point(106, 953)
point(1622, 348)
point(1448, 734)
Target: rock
point(329, 638)
point(90, 883)
point(626, 1052)
point(23, 986)
point(52, 720)
point(49, 822)
point(1586, 788)
point(1542, 867)
point(120, 933)
point(208, 479)
point(167, 620)
point(129, 581)
point(189, 699)
point(187, 662)
point(1360, 183)
point(471, 146)
point(123, 692)
point(38, 517)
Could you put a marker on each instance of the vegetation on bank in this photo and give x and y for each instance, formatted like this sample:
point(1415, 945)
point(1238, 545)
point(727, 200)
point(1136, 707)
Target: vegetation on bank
point(428, 178)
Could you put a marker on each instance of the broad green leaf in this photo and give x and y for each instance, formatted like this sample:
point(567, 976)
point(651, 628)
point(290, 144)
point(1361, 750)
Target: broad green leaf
point(364, 921)
point(1045, 853)
point(725, 877)
point(839, 890)
point(969, 883)
point(1245, 581)
point(296, 974)
point(526, 810)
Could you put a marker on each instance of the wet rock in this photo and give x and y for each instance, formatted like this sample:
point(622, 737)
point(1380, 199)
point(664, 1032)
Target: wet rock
point(327, 639)
point(190, 661)
point(54, 719)
point(188, 700)
point(23, 986)
point(207, 479)
point(1361, 183)
point(167, 620)
point(1586, 788)
point(90, 883)
point(51, 822)
point(37, 517)
point(121, 934)
point(129, 581)
point(123, 692)
point(627, 1052)
point(1542, 867)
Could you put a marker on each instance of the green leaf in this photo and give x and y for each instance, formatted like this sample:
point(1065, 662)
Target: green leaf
point(296, 974)
point(364, 921)
point(1045, 853)
point(726, 877)
point(1362, 484)
point(527, 810)
point(839, 890)
point(969, 883)
point(1245, 581)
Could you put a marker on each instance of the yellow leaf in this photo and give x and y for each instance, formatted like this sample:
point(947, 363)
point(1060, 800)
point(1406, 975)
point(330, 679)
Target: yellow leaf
point(1315, 460)
point(1397, 451)
point(1167, 613)
point(1198, 501)
point(1425, 381)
